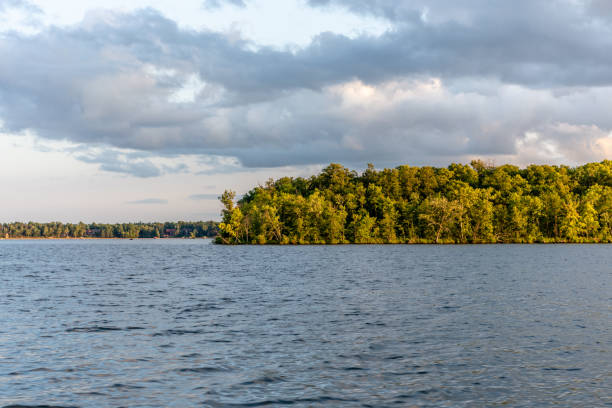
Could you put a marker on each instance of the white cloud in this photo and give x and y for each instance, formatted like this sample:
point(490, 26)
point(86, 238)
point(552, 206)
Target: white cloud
point(277, 23)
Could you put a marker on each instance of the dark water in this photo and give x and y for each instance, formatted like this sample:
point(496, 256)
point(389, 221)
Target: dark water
point(178, 323)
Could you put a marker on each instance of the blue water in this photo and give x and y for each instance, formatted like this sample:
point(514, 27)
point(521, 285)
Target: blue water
point(182, 323)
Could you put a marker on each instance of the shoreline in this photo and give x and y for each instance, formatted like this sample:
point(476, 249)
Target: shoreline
point(429, 243)
point(86, 238)
point(309, 244)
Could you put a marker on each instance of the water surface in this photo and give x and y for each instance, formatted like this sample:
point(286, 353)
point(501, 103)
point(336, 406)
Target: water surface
point(180, 323)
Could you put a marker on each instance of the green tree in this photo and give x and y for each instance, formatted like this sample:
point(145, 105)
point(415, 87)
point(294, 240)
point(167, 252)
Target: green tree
point(439, 215)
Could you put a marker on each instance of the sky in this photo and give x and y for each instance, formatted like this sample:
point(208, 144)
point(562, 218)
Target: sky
point(147, 111)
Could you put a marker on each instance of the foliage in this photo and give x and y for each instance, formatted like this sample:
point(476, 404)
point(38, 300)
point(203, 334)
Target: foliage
point(476, 203)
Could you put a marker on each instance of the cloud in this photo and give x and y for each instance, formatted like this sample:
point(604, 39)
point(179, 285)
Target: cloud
point(115, 162)
point(450, 80)
point(579, 143)
point(472, 13)
point(601, 8)
point(211, 164)
point(19, 4)
point(19, 15)
point(149, 201)
point(214, 4)
point(198, 197)
point(135, 163)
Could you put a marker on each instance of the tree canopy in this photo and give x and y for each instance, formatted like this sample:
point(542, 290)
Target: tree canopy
point(476, 203)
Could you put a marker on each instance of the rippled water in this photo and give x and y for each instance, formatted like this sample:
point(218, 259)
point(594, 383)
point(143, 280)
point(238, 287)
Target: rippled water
point(182, 323)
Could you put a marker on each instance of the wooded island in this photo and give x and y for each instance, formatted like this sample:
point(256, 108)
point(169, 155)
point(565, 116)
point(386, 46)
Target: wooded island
point(476, 203)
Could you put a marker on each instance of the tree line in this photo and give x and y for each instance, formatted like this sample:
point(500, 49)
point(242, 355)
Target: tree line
point(476, 203)
point(179, 229)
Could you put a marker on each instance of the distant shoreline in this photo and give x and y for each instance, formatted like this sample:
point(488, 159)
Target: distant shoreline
point(88, 238)
point(130, 230)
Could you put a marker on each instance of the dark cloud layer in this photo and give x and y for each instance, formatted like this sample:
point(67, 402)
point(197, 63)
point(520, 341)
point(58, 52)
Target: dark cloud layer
point(451, 79)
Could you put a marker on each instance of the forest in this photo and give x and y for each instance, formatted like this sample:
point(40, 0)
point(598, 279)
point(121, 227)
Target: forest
point(179, 229)
point(476, 203)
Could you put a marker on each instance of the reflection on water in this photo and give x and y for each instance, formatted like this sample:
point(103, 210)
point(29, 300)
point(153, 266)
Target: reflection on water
point(183, 323)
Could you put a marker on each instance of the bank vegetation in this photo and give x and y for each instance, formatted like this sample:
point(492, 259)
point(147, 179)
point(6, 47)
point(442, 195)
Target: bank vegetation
point(476, 203)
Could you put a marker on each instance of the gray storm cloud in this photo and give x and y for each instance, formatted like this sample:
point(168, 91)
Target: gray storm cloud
point(450, 80)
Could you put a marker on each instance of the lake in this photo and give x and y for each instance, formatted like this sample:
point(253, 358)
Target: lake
point(181, 323)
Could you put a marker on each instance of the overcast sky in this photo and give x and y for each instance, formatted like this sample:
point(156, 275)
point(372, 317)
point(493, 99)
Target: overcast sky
point(149, 111)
